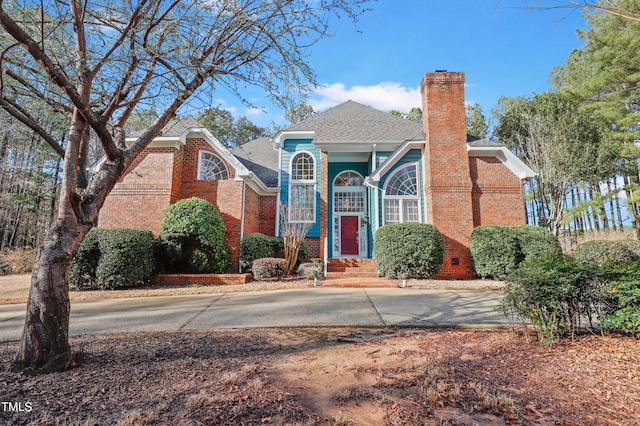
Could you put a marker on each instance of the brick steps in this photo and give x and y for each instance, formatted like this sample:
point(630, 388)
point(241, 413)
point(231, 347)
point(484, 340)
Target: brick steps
point(351, 268)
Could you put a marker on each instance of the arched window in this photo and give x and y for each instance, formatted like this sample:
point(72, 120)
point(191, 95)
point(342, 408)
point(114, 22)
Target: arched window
point(401, 196)
point(302, 188)
point(211, 167)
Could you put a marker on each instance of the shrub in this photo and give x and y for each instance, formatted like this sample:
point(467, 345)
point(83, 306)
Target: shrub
point(168, 253)
point(201, 230)
point(603, 252)
point(554, 293)
point(259, 246)
point(82, 273)
point(622, 313)
point(113, 258)
point(126, 258)
point(268, 268)
point(536, 241)
point(495, 251)
point(255, 246)
point(311, 270)
point(413, 248)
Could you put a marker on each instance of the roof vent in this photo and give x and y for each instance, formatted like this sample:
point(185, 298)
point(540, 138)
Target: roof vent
point(441, 70)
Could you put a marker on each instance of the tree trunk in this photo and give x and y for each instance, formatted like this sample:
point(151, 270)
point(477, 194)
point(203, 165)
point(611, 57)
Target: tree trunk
point(44, 346)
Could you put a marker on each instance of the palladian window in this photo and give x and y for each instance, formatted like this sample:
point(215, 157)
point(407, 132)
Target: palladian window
point(302, 188)
point(212, 167)
point(401, 196)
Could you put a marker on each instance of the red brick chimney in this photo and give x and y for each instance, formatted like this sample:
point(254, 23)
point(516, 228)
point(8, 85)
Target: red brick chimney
point(447, 177)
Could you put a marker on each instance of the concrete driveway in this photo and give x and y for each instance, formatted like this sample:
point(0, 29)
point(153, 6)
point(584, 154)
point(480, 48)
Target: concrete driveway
point(281, 308)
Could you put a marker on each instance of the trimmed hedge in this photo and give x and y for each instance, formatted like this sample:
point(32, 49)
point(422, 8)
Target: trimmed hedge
point(113, 258)
point(496, 251)
point(256, 246)
point(268, 268)
point(259, 246)
point(311, 270)
point(413, 248)
point(607, 252)
point(198, 227)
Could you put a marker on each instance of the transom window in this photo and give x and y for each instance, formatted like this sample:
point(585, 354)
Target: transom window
point(401, 196)
point(302, 188)
point(212, 167)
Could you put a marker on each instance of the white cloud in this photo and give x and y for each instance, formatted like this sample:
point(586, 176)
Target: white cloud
point(255, 111)
point(384, 96)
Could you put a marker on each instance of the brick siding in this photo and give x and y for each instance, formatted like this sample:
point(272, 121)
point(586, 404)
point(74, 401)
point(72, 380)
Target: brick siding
point(497, 193)
point(448, 184)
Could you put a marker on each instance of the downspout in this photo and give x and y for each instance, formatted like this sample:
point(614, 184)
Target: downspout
point(376, 196)
point(279, 193)
point(244, 186)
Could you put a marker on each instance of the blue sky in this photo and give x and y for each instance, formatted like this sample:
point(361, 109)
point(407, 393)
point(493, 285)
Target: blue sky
point(503, 48)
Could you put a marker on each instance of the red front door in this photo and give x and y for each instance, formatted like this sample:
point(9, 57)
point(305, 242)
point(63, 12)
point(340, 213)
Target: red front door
point(349, 235)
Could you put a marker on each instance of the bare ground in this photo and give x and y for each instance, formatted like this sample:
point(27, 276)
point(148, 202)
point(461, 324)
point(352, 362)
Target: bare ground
point(327, 376)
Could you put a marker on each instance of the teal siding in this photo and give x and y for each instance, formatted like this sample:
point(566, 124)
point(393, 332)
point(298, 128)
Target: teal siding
point(334, 170)
point(413, 156)
point(290, 148)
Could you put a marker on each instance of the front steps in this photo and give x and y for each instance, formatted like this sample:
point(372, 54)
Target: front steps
point(351, 268)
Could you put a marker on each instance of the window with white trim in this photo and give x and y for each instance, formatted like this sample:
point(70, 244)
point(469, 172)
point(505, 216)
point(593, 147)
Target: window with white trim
point(211, 167)
point(401, 199)
point(302, 188)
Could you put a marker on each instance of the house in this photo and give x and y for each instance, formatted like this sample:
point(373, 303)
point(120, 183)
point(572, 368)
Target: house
point(346, 172)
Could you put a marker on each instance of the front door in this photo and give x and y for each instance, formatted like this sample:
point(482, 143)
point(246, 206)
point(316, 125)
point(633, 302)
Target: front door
point(349, 235)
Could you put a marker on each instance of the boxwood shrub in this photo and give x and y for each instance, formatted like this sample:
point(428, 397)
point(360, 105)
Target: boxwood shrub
point(256, 246)
point(113, 258)
point(198, 226)
point(536, 241)
point(413, 248)
point(496, 251)
point(268, 268)
point(607, 252)
point(259, 246)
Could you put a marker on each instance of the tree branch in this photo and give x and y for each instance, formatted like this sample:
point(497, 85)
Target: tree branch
point(24, 117)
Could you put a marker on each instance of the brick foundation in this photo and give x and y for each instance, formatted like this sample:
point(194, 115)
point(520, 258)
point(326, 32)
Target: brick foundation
point(201, 279)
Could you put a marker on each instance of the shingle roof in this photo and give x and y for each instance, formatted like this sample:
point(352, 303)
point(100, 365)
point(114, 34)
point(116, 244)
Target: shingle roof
point(259, 156)
point(352, 122)
point(175, 127)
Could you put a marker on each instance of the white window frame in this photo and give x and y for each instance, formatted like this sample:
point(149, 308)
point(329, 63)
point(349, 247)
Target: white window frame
point(303, 182)
point(402, 198)
point(200, 160)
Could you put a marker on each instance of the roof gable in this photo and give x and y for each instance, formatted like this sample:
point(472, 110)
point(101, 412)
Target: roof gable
point(352, 122)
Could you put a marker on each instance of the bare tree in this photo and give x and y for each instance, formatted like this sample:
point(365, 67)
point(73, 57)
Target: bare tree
point(96, 62)
point(626, 10)
point(294, 225)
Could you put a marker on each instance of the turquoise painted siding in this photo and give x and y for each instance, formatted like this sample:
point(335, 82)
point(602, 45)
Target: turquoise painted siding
point(290, 148)
point(414, 155)
point(334, 170)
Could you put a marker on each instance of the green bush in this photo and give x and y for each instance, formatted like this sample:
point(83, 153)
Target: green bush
point(268, 268)
point(259, 246)
point(255, 246)
point(607, 252)
point(113, 258)
point(126, 258)
point(496, 251)
point(82, 273)
point(198, 225)
point(622, 313)
point(168, 253)
point(554, 293)
point(536, 241)
point(413, 248)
